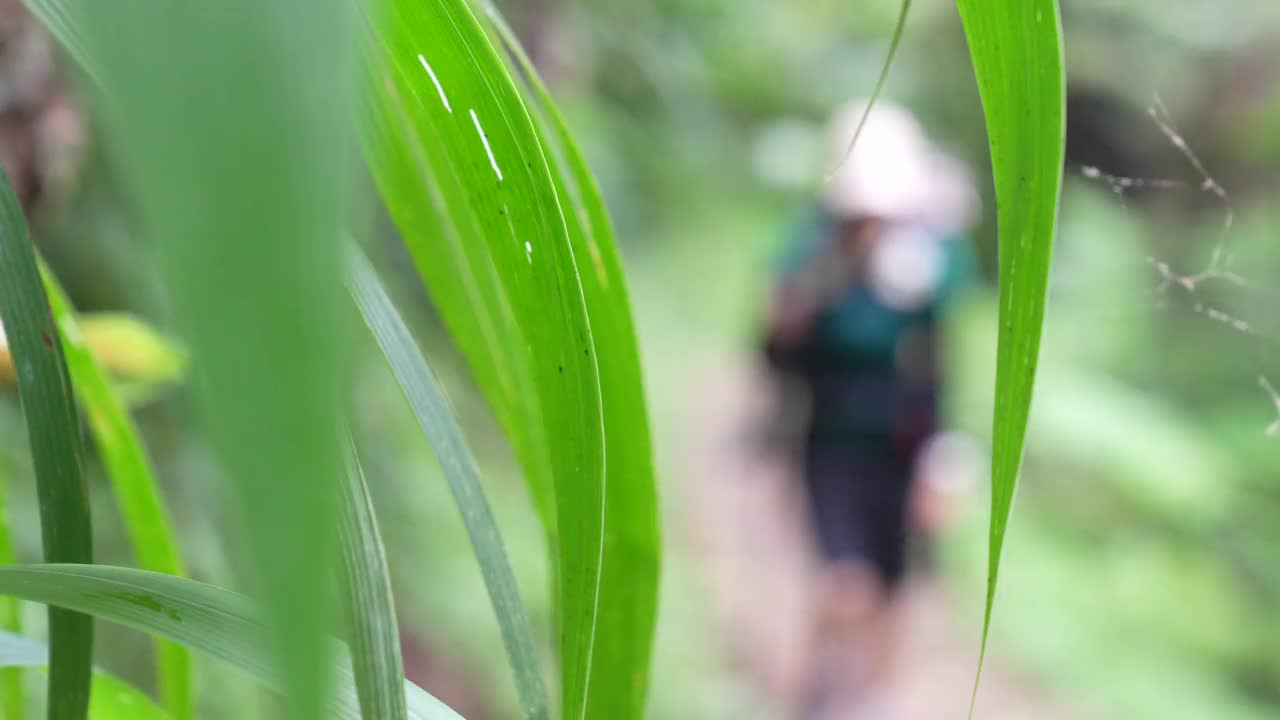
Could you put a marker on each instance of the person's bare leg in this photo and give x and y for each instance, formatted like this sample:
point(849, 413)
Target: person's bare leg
point(870, 695)
point(847, 639)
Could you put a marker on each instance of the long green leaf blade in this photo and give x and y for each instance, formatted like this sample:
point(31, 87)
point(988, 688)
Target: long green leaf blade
point(235, 139)
point(220, 623)
point(54, 430)
point(631, 558)
point(372, 631)
point(1017, 54)
point(136, 490)
point(460, 166)
point(445, 226)
point(432, 410)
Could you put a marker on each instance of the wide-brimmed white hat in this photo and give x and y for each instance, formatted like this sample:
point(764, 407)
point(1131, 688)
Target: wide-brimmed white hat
point(894, 172)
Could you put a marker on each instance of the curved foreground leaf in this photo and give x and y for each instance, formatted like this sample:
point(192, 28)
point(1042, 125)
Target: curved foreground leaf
point(632, 540)
point(235, 142)
point(431, 407)
point(466, 178)
point(370, 611)
point(217, 622)
point(1017, 55)
point(54, 434)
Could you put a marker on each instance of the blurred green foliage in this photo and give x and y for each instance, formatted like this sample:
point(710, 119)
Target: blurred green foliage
point(1141, 575)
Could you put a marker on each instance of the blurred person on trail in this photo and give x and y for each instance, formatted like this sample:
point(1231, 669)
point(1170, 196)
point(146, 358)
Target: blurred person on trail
point(853, 319)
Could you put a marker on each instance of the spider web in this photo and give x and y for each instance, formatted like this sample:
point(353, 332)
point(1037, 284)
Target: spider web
point(1173, 284)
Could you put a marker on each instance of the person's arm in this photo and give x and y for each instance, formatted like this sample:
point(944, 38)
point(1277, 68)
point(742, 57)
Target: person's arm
point(791, 314)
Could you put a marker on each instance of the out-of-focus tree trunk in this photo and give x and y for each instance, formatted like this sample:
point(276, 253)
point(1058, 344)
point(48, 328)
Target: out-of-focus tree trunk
point(41, 135)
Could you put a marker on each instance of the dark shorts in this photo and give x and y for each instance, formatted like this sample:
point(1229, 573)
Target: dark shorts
point(858, 494)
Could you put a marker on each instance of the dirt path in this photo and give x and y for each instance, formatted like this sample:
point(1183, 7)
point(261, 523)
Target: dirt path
point(749, 534)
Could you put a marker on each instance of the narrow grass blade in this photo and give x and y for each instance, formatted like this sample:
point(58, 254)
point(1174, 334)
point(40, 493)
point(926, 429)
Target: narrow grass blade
point(12, 694)
point(230, 123)
point(372, 631)
point(631, 559)
point(462, 171)
point(1017, 54)
point(111, 699)
point(54, 430)
point(876, 91)
point(136, 491)
point(431, 407)
point(220, 623)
